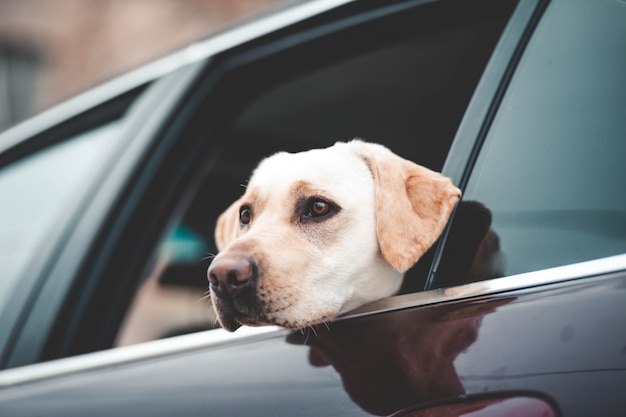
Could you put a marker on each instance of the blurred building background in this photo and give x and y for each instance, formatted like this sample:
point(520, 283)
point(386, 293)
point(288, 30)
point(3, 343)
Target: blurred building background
point(51, 50)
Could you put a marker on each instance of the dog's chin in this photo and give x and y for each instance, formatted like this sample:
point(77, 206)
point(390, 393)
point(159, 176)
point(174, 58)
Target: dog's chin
point(229, 323)
point(252, 312)
point(232, 322)
point(231, 319)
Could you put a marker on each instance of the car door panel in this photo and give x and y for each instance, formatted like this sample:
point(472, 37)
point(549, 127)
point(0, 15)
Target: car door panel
point(545, 342)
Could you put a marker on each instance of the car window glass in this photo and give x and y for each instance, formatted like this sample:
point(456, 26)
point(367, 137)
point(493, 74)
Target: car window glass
point(548, 187)
point(36, 191)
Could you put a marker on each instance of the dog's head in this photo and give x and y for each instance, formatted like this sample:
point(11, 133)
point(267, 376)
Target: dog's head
point(321, 232)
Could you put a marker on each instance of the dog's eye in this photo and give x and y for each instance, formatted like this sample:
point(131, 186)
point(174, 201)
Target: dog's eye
point(318, 208)
point(245, 215)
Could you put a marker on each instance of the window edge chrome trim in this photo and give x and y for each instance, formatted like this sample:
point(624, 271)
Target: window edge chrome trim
point(561, 274)
point(128, 354)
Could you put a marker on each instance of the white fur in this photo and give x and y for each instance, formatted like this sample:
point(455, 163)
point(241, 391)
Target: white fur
point(311, 271)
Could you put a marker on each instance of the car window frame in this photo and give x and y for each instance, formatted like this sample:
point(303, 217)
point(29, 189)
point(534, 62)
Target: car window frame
point(219, 87)
point(227, 83)
point(71, 327)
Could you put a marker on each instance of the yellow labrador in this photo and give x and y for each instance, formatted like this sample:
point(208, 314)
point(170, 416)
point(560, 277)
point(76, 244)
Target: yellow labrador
point(322, 232)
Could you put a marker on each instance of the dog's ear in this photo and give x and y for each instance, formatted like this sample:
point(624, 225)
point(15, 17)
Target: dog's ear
point(227, 225)
point(413, 204)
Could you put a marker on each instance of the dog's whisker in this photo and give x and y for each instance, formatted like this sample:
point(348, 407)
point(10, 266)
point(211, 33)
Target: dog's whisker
point(209, 256)
point(203, 299)
point(305, 332)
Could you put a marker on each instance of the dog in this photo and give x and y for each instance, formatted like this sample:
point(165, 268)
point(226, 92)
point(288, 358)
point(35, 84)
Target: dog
point(321, 232)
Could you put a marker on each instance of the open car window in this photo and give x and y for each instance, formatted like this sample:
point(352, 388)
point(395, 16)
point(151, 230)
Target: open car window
point(407, 91)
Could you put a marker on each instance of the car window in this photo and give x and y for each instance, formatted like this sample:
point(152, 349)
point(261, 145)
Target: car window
point(402, 91)
point(37, 191)
point(548, 186)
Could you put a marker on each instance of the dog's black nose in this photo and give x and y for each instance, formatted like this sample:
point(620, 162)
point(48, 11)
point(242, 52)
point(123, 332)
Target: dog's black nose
point(229, 276)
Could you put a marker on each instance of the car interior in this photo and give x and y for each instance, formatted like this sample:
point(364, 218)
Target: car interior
point(408, 94)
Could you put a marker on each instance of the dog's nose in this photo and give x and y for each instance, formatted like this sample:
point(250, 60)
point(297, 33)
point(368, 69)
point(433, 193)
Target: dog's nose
point(229, 276)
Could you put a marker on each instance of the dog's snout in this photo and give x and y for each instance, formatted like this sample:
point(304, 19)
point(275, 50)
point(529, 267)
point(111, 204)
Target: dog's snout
point(229, 276)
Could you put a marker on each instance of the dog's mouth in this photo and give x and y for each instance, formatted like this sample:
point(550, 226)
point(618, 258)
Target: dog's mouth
point(232, 316)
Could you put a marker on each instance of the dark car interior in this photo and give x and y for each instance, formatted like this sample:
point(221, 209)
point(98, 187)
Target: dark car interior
point(407, 90)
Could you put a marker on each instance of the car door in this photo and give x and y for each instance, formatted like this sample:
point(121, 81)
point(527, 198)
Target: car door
point(470, 343)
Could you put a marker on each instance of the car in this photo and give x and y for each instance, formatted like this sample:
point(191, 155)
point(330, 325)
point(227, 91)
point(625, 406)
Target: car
point(109, 203)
